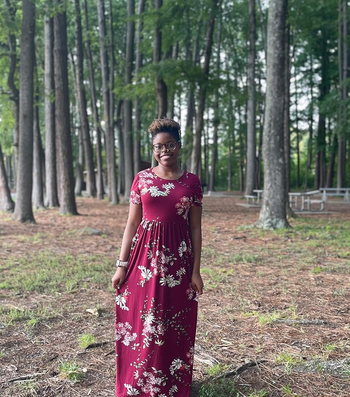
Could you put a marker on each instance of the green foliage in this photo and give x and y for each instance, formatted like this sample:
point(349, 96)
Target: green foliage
point(71, 370)
point(219, 388)
point(85, 340)
point(47, 272)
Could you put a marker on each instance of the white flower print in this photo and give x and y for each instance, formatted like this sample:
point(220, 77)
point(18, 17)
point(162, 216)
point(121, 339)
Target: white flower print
point(182, 248)
point(192, 294)
point(131, 391)
point(123, 334)
point(135, 198)
point(121, 299)
point(156, 192)
point(146, 275)
point(176, 364)
point(183, 206)
point(173, 390)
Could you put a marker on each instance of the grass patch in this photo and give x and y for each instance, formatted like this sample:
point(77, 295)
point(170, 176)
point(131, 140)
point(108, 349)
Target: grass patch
point(9, 316)
point(219, 388)
point(85, 340)
point(71, 370)
point(50, 273)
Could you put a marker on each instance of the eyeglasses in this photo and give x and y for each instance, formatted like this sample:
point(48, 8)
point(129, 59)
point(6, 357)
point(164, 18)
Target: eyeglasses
point(168, 146)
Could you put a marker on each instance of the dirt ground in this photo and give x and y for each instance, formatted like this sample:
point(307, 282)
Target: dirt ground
point(274, 317)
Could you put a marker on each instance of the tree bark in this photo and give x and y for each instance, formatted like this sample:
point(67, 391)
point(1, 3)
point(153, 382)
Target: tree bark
point(273, 211)
point(161, 87)
point(79, 166)
point(12, 42)
point(324, 87)
point(196, 149)
point(109, 133)
point(81, 97)
point(286, 110)
point(251, 130)
point(137, 105)
point(23, 210)
point(344, 75)
point(38, 158)
point(128, 149)
point(99, 132)
point(51, 198)
point(6, 202)
point(62, 115)
point(216, 121)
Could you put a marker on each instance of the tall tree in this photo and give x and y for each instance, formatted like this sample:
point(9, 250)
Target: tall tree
point(84, 122)
point(99, 133)
point(12, 44)
point(6, 202)
point(216, 122)
point(51, 199)
point(138, 66)
point(273, 211)
point(109, 132)
point(128, 149)
point(251, 131)
point(23, 210)
point(196, 150)
point(38, 155)
point(62, 113)
point(343, 79)
point(161, 87)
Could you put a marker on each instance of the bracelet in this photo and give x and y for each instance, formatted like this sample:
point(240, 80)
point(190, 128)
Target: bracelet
point(124, 264)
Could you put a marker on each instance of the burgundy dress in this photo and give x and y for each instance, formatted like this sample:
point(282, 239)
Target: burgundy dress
point(156, 308)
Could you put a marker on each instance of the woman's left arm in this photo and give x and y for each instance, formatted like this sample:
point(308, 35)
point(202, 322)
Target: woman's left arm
point(195, 219)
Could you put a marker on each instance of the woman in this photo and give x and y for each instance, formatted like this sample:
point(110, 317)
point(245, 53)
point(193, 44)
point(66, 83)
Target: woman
point(158, 275)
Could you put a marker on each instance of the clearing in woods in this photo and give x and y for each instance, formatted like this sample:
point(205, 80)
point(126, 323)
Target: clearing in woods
point(274, 318)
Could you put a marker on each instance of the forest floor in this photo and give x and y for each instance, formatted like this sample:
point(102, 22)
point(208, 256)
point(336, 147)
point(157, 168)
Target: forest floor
point(274, 319)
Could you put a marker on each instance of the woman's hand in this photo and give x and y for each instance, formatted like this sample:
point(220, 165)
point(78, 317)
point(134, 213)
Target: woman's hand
point(119, 277)
point(197, 283)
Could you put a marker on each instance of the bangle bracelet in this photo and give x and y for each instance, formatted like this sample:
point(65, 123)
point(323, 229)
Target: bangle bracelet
point(124, 264)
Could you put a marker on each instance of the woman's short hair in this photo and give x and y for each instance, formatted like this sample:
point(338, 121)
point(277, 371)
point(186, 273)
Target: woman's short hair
point(165, 125)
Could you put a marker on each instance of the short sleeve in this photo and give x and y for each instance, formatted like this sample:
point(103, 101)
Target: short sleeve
point(197, 192)
point(135, 197)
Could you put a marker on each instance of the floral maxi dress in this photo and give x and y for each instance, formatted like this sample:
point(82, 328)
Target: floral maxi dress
point(156, 308)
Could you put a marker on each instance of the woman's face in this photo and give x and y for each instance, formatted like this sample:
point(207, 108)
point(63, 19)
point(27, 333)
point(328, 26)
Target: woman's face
point(166, 149)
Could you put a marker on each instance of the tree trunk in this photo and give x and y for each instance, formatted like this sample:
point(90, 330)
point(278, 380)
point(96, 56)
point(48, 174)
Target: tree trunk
point(128, 150)
point(79, 166)
point(62, 113)
point(12, 42)
point(6, 202)
point(171, 101)
point(344, 75)
point(331, 167)
point(162, 89)
point(273, 211)
point(121, 162)
point(81, 97)
point(38, 160)
point(214, 151)
point(99, 132)
point(320, 172)
point(286, 110)
point(138, 66)
point(196, 149)
point(51, 199)
point(251, 131)
point(109, 133)
point(23, 209)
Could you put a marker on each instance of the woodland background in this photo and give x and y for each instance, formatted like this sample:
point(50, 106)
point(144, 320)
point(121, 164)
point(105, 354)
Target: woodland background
point(100, 71)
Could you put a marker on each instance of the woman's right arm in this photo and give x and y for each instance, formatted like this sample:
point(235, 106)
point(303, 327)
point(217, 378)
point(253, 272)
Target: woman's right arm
point(134, 219)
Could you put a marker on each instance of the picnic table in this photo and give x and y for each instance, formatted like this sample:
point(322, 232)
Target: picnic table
point(305, 198)
point(254, 198)
point(334, 191)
